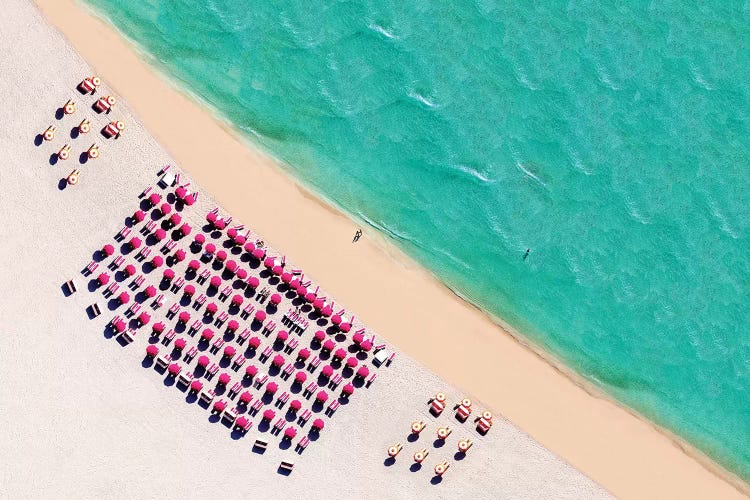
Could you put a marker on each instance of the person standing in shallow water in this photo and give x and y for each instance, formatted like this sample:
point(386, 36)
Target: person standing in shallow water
point(528, 250)
point(357, 235)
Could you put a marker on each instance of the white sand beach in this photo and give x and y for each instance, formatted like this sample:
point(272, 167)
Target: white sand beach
point(84, 418)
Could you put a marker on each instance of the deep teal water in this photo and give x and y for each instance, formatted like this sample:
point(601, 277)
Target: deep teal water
point(610, 139)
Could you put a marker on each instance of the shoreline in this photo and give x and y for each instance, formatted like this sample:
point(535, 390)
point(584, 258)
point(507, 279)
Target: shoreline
point(606, 441)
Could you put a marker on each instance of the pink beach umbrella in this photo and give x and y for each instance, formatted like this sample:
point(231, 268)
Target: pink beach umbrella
point(184, 317)
point(186, 229)
point(318, 424)
point(189, 290)
point(108, 249)
point(210, 248)
point(357, 338)
point(318, 303)
point(160, 234)
point(165, 208)
point(232, 232)
point(352, 362)
point(300, 377)
point(229, 351)
point(207, 334)
point(260, 316)
point(130, 269)
point(345, 327)
point(152, 351)
point(272, 387)
point(237, 300)
point(155, 199)
point(321, 397)
point(311, 297)
point(194, 265)
point(179, 255)
point(220, 224)
point(241, 273)
point(191, 199)
point(326, 311)
point(103, 279)
point(259, 253)
point(295, 284)
point(363, 372)
point(175, 219)
point(158, 327)
point(253, 282)
point(339, 354)
point(220, 406)
point(366, 346)
point(221, 256)
point(150, 291)
point(275, 299)
point(211, 217)
point(278, 360)
point(196, 386)
point(269, 414)
point(348, 390)
point(241, 421)
point(203, 361)
point(327, 371)
point(157, 261)
point(139, 215)
point(175, 369)
point(144, 318)
point(211, 308)
point(282, 336)
point(295, 405)
point(336, 319)
point(168, 274)
point(246, 397)
point(286, 277)
point(200, 239)
point(277, 270)
point(254, 342)
point(329, 345)
point(215, 281)
point(224, 379)
point(251, 371)
point(290, 433)
point(180, 192)
point(304, 354)
point(123, 298)
point(135, 243)
point(249, 247)
point(120, 326)
point(180, 343)
point(239, 240)
point(233, 325)
point(269, 262)
point(231, 266)
point(320, 335)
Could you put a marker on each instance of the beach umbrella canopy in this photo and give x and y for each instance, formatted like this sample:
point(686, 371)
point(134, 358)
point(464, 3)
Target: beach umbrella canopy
point(246, 397)
point(304, 354)
point(191, 198)
point(210, 248)
point(203, 361)
point(286, 277)
point(150, 291)
point(269, 262)
point(241, 274)
point(319, 424)
point(207, 334)
point(295, 284)
point(327, 311)
point(220, 405)
point(254, 342)
point(157, 261)
point(241, 421)
point(340, 353)
point(189, 290)
point(165, 208)
point(322, 396)
point(180, 255)
point(200, 238)
point(269, 414)
point(152, 350)
point(211, 216)
point(239, 240)
point(211, 308)
point(348, 389)
point(220, 224)
point(160, 234)
point(320, 335)
point(275, 299)
point(130, 269)
point(329, 345)
point(278, 360)
point(363, 371)
point(290, 432)
point(253, 282)
point(300, 377)
point(229, 351)
point(139, 215)
point(180, 192)
point(251, 371)
point(345, 327)
point(233, 325)
point(108, 249)
point(175, 368)
point(155, 198)
point(120, 326)
point(249, 247)
point(357, 338)
point(186, 229)
point(158, 327)
point(103, 279)
point(231, 266)
point(215, 281)
point(310, 297)
point(237, 300)
point(221, 256)
point(224, 378)
point(258, 253)
point(196, 385)
point(277, 270)
point(366, 345)
point(232, 232)
point(318, 303)
point(302, 291)
point(135, 242)
point(336, 319)
point(327, 371)
point(175, 219)
point(282, 336)
point(272, 387)
point(260, 315)
point(194, 265)
point(295, 405)
point(144, 318)
point(352, 362)
point(124, 298)
point(184, 317)
point(180, 343)
point(169, 274)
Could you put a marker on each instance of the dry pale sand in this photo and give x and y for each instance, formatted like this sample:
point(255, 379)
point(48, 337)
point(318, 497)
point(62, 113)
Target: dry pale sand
point(87, 419)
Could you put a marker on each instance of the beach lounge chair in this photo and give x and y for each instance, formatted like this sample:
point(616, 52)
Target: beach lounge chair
point(266, 353)
point(288, 370)
point(286, 466)
point(260, 445)
point(148, 228)
point(157, 302)
point(310, 389)
point(94, 310)
point(133, 310)
point(199, 302)
point(124, 233)
point(236, 388)
point(291, 346)
point(332, 407)
point(230, 415)
point(304, 417)
point(243, 336)
point(138, 282)
point(207, 395)
point(217, 345)
point(90, 268)
point(313, 365)
point(168, 337)
point(173, 311)
point(279, 425)
point(203, 276)
point(211, 371)
point(162, 361)
point(256, 406)
point(177, 284)
point(70, 287)
point(191, 354)
point(112, 289)
point(221, 318)
point(168, 247)
point(194, 327)
point(167, 180)
point(371, 379)
point(269, 328)
point(302, 444)
point(282, 400)
point(185, 378)
point(335, 381)
point(225, 293)
point(238, 362)
point(248, 310)
point(260, 379)
point(117, 262)
point(89, 85)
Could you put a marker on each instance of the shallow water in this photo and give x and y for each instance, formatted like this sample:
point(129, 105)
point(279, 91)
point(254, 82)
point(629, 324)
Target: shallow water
point(610, 141)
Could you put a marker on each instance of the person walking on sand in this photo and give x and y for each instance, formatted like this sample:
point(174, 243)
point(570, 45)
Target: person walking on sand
point(357, 235)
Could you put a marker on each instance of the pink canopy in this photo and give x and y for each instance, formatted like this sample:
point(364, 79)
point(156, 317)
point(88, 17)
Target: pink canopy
point(211, 216)
point(253, 282)
point(180, 343)
point(348, 389)
point(302, 292)
point(135, 242)
point(160, 234)
point(329, 345)
point(175, 368)
point(220, 224)
point(237, 300)
point(275, 299)
point(231, 266)
point(241, 273)
point(203, 361)
point(277, 270)
point(175, 219)
point(251, 371)
point(366, 345)
point(363, 371)
point(258, 253)
point(155, 198)
point(340, 353)
point(215, 281)
point(191, 198)
point(320, 335)
point(351, 362)
point(233, 325)
point(278, 360)
point(139, 215)
point(272, 387)
point(189, 290)
point(327, 371)
point(200, 238)
point(246, 397)
point(151, 291)
point(310, 297)
point(345, 327)
point(241, 421)
point(326, 311)
point(211, 308)
point(322, 396)
point(254, 342)
point(229, 351)
point(169, 273)
point(286, 277)
point(124, 298)
point(220, 405)
point(269, 262)
point(319, 424)
point(157, 261)
point(260, 315)
point(194, 265)
point(130, 269)
point(224, 379)
point(120, 326)
point(210, 248)
point(358, 338)
point(290, 432)
point(294, 284)
point(336, 319)
point(165, 208)
point(158, 327)
point(269, 414)
point(196, 385)
point(318, 303)
point(239, 240)
point(232, 232)
point(144, 318)
point(249, 247)
point(304, 354)
point(108, 249)
point(103, 279)
point(295, 405)
point(283, 335)
point(180, 255)
point(186, 229)
point(152, 350)
point(180, 192)
point(184, 317)
point(221, 256)
point(300, 377)
point(207, 334)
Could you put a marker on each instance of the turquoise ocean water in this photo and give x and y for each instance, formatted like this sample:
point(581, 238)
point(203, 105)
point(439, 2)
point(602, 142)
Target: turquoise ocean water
point(611, 140)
